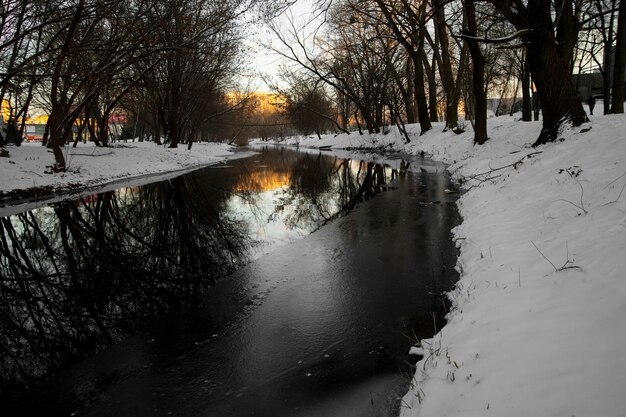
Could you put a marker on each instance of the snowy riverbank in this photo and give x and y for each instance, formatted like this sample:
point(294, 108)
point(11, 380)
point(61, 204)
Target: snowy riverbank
point(537, 326)
point(22, 174)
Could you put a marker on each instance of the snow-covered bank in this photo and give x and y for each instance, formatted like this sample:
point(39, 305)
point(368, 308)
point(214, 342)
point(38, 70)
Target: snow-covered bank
point(537, 326)
point(22, 173)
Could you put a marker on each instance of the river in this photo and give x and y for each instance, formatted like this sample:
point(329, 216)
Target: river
point(283, 284)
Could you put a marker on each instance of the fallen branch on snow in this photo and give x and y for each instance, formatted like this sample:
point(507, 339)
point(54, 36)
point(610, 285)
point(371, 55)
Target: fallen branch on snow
point(488, 175)
point(565, 266)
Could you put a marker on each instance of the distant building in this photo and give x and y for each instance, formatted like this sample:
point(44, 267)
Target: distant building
point(6, 110)
point(590, 83)
point(34, 132)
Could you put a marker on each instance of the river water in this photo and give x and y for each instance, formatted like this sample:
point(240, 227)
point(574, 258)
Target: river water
point(283, 284)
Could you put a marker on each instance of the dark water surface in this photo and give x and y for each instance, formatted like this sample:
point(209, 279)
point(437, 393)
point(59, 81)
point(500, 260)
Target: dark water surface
point(112, 296)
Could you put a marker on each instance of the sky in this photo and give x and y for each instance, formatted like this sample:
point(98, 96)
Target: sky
point(263, 62)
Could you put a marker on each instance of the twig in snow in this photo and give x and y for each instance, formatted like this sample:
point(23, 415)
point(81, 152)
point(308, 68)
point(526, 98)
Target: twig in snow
point(567, 260)
point(573, 172)
point(620, 192)
point(573, 204)
point(614, 181)
point(487, 175)
point(92, 154)
point(404, 404)
point(514, 164)
point(582, 191)
point(480, 181)
point(32, 172)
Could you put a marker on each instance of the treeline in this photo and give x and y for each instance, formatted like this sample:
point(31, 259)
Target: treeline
point(361, 64)
point(167, 63)
point(420, 61)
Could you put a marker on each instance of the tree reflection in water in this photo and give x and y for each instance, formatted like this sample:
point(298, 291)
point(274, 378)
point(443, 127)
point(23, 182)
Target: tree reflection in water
point(78, 276)
point(319, 187)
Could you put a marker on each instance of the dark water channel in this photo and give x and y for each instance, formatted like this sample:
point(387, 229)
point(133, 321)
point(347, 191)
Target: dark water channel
point(208, 295)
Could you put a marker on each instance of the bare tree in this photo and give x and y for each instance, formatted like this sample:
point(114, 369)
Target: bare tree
point(478, 74)
point(549, 29)
point(407, 21)
point(598, 21)
point(79, 59)
point(345, 60)
point(445, 63)
point(306, 103)
point(22, 50)
point(77, 23)
point(617, 105)
point(200, 46)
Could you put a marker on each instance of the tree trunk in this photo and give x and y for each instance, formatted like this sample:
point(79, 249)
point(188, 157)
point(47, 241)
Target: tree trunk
point(409, 98)
point(56, 136)
point(420, 97)
point(550, 48)
point(173, 134)
point(59, 106)
point(79, 134)
point(429, 70)
point(447, 76)
point(103, 131)
point(607, 59)
point(527, 110)
point(356, 120)
point(46, 135)
point(91, 128)
point(420, 92)
point(344, 106)
point(464, 59)
point(370, 122)
point(379, 109)
point(606, 78)
point(550, 60)
point(478, 76)
point(413, 43)
point(617, 104)
point(515, 91)
point(551, 73)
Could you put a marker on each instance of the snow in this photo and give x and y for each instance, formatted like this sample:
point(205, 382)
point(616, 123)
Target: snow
point(537, 324)
point(133, 163)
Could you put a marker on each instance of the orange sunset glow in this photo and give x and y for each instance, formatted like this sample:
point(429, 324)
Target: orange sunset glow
point(266, 180)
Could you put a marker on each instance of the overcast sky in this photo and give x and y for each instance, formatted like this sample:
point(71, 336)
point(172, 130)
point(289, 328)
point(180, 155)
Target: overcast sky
point(263, 61)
